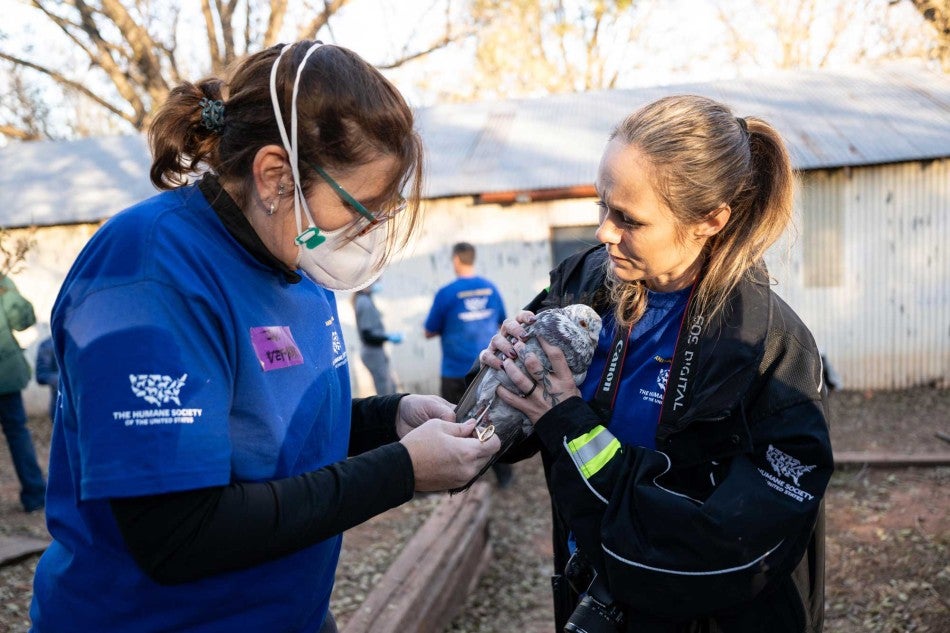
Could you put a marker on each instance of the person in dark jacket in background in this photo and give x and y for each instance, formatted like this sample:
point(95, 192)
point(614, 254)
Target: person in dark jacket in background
point(687, 472)
point(47, 372)
point(369, 324)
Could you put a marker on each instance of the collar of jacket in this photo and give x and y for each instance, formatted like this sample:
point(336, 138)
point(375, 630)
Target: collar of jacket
point(715, 367)
point(716, 360)
point(240, 228)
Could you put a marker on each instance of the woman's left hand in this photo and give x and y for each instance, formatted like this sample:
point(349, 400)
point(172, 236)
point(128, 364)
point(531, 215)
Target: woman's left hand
point(415, 409)
point(543, 389)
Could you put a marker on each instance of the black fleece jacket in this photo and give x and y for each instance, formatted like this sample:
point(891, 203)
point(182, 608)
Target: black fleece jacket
point(721, 527)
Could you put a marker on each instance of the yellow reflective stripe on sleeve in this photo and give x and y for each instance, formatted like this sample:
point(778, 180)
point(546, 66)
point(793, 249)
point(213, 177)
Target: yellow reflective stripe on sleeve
point(590, 468)
point(593, 450)
point(577, 444)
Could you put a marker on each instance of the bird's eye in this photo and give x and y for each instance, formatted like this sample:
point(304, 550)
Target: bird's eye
point(583, 323)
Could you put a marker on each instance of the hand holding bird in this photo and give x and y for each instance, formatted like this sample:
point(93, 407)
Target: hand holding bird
point(549, 362)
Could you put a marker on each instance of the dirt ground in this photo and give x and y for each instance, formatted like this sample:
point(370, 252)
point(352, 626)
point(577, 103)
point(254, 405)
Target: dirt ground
point(888, 562)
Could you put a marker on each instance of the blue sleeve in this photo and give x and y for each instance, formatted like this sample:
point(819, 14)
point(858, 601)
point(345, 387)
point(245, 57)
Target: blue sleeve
point(435, 322)
point(149, 392)
point(46, 370)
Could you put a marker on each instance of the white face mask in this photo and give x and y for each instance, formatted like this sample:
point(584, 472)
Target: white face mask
point(340, 263)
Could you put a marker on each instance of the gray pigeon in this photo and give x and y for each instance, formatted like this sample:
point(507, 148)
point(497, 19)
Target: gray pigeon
point(574, 328)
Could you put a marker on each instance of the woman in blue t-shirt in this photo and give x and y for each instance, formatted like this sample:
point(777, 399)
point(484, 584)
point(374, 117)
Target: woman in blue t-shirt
point(207, 453)
point(687, 471)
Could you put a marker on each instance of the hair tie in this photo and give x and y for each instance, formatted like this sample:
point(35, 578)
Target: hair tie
point(742, 124)
point(212, 114)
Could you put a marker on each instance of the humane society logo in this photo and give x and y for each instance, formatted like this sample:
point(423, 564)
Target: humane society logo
point(662, 377)
point(786, 466)
point(337, 345)
point(339, 354)
point(476, 304)
point(656, 397)
point(157, 390)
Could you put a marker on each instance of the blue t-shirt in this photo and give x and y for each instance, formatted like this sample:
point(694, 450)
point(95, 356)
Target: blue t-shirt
point(186, 364)
point(646, 367)
point(465, 314)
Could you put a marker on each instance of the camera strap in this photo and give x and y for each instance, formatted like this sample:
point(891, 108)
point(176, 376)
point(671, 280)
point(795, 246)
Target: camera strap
point(606, 394)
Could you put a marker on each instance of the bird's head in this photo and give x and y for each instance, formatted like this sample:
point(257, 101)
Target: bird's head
point(586, 319)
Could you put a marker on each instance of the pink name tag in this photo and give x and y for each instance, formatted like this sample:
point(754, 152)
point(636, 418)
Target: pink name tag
point(275, 347)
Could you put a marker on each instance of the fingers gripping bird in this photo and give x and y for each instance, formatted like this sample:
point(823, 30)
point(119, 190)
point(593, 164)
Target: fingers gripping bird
point(574, 329)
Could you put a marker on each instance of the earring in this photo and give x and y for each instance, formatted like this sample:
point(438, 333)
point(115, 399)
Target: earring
point(280, 189)
point(273, 207)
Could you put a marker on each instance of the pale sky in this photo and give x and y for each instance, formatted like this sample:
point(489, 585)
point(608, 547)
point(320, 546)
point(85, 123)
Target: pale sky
point(683, 43)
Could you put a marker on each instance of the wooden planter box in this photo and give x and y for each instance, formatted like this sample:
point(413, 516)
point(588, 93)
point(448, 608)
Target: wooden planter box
point(441, 564)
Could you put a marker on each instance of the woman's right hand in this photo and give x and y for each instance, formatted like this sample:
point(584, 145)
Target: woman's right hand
point(503, 343)
point(445, 455)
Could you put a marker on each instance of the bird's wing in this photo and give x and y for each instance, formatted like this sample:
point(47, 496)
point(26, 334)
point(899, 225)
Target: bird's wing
point(470, 397)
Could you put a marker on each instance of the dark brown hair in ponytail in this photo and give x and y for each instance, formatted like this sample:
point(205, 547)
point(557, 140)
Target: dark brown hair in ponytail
point(179, 140)
point(348, 114)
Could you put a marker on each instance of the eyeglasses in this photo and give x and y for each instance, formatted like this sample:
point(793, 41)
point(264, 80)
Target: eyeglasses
point(373, 218)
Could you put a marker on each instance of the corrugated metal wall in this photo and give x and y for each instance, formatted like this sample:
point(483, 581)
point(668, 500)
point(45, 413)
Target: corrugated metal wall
point(869, 271)
point(866, 267)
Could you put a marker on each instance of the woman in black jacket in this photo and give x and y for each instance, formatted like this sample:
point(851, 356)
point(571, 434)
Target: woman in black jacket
point(687, 472)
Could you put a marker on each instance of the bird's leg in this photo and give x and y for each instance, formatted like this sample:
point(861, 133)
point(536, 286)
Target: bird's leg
point(484, 433)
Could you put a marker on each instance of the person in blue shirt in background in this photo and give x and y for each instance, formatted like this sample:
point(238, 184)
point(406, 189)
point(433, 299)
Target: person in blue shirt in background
point(207, 453)
point(465, 314)
point(47, 371)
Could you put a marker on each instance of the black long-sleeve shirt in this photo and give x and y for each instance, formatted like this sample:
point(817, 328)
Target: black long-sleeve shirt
point(182, 536)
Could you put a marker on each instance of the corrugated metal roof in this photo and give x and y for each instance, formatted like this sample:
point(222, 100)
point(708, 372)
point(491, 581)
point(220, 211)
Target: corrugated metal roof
point(66, 182)
point(829, 119)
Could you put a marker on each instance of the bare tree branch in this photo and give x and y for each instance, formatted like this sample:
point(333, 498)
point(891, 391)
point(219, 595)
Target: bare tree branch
point(21, 103)
point(18, 134)
point(211, 30)
point(13, 256)
point(442, 43)
point(937, 12)
point(322, 19)
point(275, 22)
point(169, 51)
point(142, 44)
point(120, 78)
point(226, 14)
point(69, 83)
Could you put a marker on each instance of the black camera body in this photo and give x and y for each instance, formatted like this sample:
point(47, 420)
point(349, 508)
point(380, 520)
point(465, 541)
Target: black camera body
point(596, 612)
